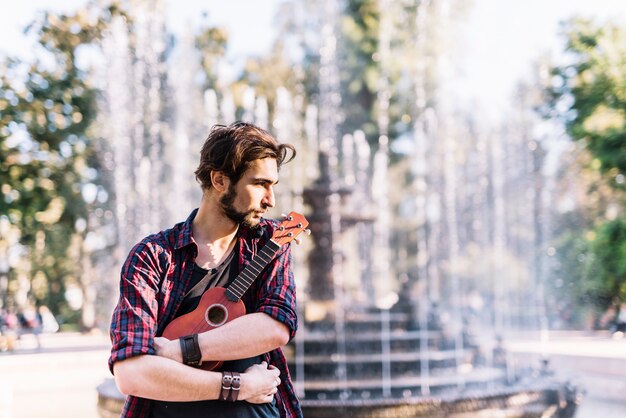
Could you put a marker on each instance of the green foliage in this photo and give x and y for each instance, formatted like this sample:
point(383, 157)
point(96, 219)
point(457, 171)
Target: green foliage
point(46, 109)
point(589, 95)
point(606, 277)
point(360, 70)
point(267, 75)
point(592, 267)
point(211, 43)
point(592, 89)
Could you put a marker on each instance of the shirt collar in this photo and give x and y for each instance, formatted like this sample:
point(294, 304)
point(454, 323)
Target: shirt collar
point(185, 235)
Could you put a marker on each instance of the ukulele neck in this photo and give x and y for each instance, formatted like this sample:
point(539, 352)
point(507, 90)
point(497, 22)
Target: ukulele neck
point(244, 280)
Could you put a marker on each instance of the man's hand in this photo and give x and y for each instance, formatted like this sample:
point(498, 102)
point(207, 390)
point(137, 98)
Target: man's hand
point(259, 383)
point(168, 348)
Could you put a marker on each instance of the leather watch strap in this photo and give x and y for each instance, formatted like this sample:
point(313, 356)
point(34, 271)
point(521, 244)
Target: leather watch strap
point(227, 380)
point(190, 349)
point(234, 390)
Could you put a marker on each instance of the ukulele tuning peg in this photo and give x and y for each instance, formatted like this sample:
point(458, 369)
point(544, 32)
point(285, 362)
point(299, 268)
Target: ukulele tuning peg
point(297, 241)
point(284, 216)
point(307, 232)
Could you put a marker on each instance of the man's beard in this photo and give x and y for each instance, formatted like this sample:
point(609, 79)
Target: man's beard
point(242, 218)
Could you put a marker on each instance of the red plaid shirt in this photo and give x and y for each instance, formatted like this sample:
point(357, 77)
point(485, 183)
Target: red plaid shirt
point(155, 278)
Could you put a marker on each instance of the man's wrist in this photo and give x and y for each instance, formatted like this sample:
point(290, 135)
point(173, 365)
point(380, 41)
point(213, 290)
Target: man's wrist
point(190, 350)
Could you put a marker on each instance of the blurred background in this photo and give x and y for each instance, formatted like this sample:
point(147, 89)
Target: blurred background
point(462, 164)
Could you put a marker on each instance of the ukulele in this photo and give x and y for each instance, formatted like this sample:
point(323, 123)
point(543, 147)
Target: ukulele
point(220, 305)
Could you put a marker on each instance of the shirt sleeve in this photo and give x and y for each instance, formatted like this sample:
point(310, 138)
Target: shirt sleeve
point(277, 293)
point(134, 321)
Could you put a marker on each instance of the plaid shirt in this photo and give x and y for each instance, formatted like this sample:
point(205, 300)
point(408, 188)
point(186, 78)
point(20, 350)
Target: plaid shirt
point(154, 280)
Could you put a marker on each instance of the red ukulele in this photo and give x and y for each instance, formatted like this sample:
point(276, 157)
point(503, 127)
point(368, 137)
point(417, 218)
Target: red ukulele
point(220, 305)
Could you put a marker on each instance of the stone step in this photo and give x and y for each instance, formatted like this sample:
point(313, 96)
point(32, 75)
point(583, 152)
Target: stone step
point(372, 335)
point(326, 343)
point(398, 369)
point(398, 386)
point(361, 321)
point(363, 366)
point(391, 357)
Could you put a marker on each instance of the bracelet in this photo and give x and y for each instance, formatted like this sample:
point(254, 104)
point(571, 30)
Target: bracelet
point(190, 349)
point(234, 389)
point(227, 380)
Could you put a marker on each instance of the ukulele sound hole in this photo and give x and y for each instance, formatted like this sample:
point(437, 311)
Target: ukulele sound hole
point(216, 315)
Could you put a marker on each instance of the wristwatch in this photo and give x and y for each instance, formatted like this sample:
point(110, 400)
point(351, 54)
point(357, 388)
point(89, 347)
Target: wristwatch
point(192, 356)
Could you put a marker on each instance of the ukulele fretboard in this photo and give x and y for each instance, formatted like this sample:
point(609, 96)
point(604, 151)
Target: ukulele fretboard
point(238, 287)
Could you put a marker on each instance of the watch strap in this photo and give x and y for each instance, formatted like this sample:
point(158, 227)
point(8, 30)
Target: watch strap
point(190, 349)
point(236, 384)
point(227, 381)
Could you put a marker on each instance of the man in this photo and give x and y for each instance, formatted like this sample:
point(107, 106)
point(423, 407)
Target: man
point(165, 275)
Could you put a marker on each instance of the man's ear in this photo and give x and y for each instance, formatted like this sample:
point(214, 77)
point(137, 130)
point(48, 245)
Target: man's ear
point(220, 181)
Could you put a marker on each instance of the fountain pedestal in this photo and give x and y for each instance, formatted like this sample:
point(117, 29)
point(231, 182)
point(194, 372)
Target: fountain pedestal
point(110, 400)
point(381, 368)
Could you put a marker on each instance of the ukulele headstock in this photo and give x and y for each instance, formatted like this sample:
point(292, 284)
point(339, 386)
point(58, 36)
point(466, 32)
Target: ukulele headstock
point(289, 229)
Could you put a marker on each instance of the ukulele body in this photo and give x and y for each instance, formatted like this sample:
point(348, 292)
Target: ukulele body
point(213, 311)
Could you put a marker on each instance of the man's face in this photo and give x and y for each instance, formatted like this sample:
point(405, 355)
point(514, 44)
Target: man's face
point(247, 200)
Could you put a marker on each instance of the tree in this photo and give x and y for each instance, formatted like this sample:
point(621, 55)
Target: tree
point(46, 149)
point(589, 95)
point(212, 43)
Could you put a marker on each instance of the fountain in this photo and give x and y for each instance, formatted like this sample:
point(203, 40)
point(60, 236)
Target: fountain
point(356, 358)
point(386, 331)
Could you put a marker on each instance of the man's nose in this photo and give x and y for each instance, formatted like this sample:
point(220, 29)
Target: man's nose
point(268, 199)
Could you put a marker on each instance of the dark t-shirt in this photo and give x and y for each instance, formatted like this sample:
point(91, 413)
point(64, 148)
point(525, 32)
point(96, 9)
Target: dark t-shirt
point(220, 276)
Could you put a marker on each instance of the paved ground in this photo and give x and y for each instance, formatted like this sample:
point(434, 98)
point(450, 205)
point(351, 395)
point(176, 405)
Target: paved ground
point(594, 361)
point(59, 380)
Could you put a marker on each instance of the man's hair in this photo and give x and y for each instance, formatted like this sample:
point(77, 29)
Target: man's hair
point(231, 149)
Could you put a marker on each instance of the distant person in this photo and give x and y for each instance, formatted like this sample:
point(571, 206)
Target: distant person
point(8, 329)
point(620, 320)
point(165, 275)
point(49, 323)
point(30, 323)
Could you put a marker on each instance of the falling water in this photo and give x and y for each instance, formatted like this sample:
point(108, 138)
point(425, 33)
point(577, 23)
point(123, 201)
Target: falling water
point(498, 233)
point(261, 112)
point(287, 125)
point(211, 109)
point(312, 146)
point(420, 165)
point(148, 72)
point(364, 230)
point(190, 128)
point(449, 137)
point(133, 114)
point(330, 101)
point(380, 182)
point(228, 108)
point(247, 103)
point(116, 46)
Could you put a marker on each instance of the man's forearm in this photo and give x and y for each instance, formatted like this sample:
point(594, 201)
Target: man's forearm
point(159, 378)
point(247, 336)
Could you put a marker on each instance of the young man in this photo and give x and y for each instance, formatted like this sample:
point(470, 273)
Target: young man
point(165, 275)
